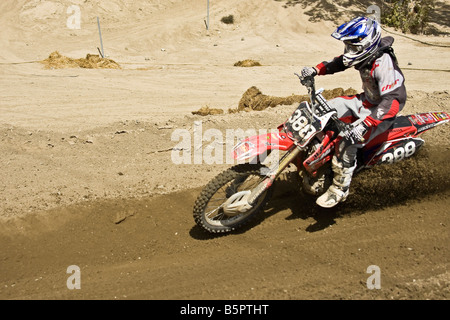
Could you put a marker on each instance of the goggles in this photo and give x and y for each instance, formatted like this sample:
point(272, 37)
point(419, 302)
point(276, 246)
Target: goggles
point(352, 48)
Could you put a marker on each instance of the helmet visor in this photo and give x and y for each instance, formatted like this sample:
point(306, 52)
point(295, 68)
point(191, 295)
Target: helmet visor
point(353, 48)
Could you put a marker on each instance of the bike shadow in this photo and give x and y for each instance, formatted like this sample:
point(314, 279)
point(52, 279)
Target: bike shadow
point(303, 206)
point(286, 196)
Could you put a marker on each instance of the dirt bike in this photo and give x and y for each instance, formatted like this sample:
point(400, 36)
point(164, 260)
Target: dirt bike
point(307, 140)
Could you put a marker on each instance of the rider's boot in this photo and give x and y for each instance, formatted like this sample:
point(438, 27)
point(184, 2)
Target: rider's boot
point(315, 185)
point(338, 191)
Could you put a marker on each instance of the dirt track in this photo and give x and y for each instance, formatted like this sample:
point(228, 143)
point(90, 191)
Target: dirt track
point(296, 252)
point(146, 246)
point(88, 177)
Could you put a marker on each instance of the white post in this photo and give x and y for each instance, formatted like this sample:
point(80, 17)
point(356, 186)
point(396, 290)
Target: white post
point(207, 15)
point(100, 34)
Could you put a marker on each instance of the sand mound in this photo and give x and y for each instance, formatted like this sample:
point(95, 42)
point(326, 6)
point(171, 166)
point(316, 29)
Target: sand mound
point(254, 99)
point(205, 111)
point(247, 63)
point(92, 61)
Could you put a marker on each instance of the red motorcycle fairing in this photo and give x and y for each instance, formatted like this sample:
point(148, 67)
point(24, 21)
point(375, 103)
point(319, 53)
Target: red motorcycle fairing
point(410, 126)
point(395, 150)
point(401, 128)
point(324, 152)
point(401, 141)
point(261, 144)
point(396, 143)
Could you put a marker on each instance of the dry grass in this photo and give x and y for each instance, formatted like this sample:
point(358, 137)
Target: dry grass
point(92, 61)
point(206, 110)
point(247, 63)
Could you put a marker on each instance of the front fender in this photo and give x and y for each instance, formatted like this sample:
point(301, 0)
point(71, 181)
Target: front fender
point(261, 145)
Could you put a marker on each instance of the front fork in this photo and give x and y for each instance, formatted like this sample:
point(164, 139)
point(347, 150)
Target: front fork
point(273, 173)
point(244, 201)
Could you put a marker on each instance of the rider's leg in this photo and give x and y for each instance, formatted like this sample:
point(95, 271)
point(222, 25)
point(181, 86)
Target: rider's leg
point(343, 167)
point(350, 108)
point(343, 164)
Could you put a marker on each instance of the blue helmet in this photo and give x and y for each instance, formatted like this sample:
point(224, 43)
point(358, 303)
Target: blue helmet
point(361, 37)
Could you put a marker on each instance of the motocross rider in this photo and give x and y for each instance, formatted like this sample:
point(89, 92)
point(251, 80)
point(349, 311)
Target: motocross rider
point(372, 111)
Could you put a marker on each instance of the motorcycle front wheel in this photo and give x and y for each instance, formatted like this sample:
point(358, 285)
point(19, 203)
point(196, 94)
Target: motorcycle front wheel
point(211, 207)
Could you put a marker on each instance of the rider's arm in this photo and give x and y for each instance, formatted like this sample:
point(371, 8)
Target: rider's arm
point(332, 66)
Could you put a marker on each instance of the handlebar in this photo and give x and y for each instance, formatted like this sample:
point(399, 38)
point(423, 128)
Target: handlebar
point(317, 100)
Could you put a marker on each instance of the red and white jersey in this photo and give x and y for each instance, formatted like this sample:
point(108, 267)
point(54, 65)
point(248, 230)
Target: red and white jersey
point(382, 81)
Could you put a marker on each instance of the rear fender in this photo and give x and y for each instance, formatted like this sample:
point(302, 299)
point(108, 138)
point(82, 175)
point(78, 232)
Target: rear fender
point(261, 145)
point(409, 126)
point(428, 120)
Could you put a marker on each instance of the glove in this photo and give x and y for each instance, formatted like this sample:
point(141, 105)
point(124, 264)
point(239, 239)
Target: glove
point(309, 72)
point(357, 133)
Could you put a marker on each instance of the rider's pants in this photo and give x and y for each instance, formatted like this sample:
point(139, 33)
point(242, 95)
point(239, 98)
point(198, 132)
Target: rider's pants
point(352, 109)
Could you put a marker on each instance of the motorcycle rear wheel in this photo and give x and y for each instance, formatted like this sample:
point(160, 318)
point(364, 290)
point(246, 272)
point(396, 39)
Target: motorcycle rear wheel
point(208, 208)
